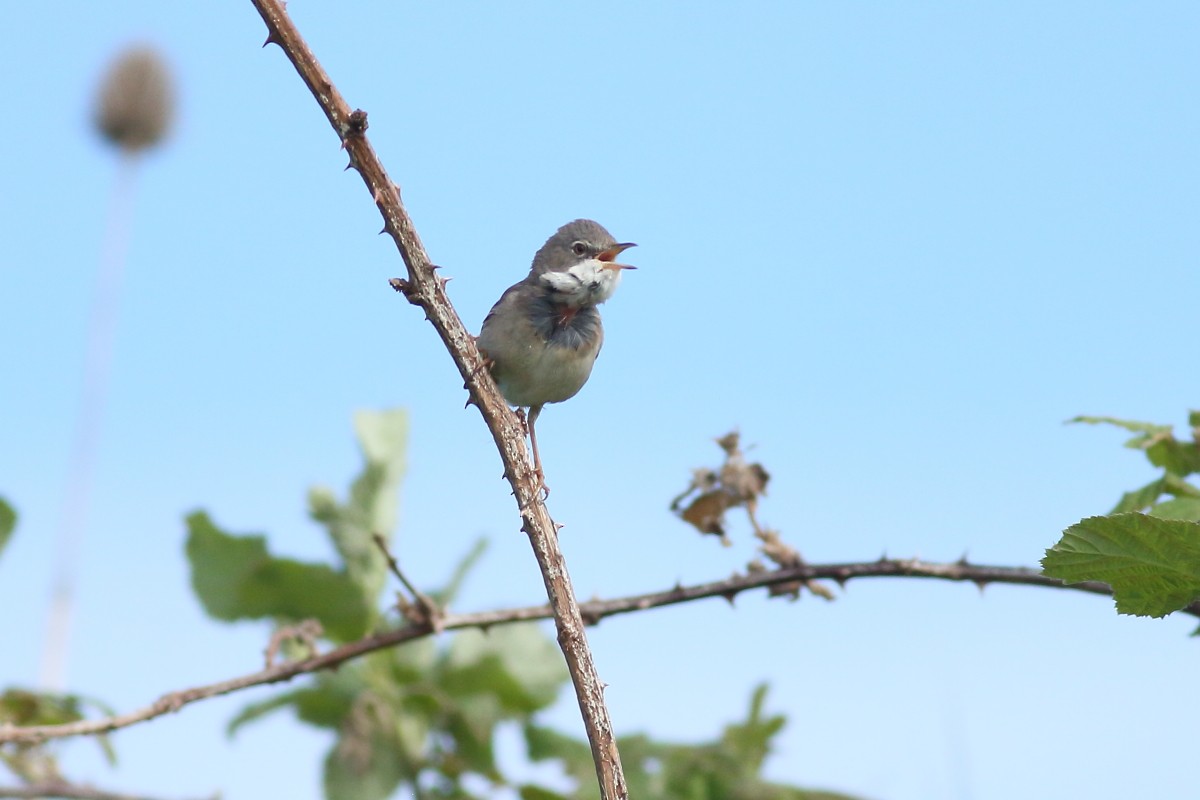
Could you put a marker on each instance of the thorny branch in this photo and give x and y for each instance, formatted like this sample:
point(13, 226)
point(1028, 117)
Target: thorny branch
point(73, 791)
point(424, 288)
point(592, 611)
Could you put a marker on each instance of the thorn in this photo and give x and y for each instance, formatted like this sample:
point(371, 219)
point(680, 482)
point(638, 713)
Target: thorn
point(840, 579)
point(980, 584)
point(730, 596)
point(557, 527)
point(272, 39)
point(442, 282)
point(883, 558)
point(962, 562)
point(399, 284)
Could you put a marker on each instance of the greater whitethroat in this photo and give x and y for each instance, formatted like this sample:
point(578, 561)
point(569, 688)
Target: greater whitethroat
point(544, 333)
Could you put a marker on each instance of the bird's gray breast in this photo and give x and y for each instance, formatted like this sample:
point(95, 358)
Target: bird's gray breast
point(568, 328)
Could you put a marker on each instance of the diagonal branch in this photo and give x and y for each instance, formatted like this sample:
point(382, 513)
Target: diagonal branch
point(593, 611)
point(424, 288)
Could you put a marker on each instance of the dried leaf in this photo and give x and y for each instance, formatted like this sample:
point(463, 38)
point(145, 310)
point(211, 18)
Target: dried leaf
point(777, 550)
point(707, 512)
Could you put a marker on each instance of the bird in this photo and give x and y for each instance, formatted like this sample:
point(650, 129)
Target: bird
point(542, 336)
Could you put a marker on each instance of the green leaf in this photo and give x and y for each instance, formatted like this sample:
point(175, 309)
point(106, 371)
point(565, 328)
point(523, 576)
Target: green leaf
point(236, 578)
point(473, 727)
point(22, 707)
point(1176, 457)
point(363, 765)
point(751, 739)
point(372, 505)
point(322, 706)
point(1140, 499)
point(1186, 508)
point(8, 521)
point(412, 661)
point(256, 711)
point(446, 595)
point(1175, 485)
point(546, 744)
point(518, 664)
point(528, 791)
point(1152, 564)
point(1147, 431)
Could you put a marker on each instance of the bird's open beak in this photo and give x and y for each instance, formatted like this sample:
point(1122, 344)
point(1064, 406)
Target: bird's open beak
point(608, 255)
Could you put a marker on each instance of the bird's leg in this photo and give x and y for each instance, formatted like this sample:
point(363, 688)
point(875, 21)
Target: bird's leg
point(537, 458)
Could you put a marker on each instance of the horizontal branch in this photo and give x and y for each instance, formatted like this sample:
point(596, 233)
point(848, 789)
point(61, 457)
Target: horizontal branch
point(592, 612)
point(69, 790)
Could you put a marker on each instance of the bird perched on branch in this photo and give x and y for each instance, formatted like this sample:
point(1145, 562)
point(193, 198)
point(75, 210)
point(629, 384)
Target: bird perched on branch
point(543, 335)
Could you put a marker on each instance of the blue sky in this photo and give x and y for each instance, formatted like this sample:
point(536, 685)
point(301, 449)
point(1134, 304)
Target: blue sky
point(896, 244)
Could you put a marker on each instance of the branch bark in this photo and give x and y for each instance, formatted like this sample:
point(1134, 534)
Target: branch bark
point(424, 288)
point(592, 612)
point(73, 791)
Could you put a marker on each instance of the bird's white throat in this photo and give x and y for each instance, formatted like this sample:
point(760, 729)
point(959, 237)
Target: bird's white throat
point(587, 283)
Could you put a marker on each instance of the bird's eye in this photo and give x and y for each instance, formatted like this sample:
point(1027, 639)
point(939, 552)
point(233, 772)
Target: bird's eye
point(579, 248)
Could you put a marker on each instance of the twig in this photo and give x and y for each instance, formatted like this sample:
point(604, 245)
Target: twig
point(593, 612)
point(427, 611)
point(424, 288)
point(69, 790)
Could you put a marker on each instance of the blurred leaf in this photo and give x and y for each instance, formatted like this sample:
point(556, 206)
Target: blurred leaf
point(1173, 484)
point(413, 661)
point(253, 712)
point(445, 596)
point(725, 769)
point(1147, 431)
point(518, 664)
point(706, 513)
point(1185, 508)
point(1159, 442)
point(751, 739)
point(24, 707)
point(473, 727)
point(236, 578)
point(8, 521)
point(372, 505)
point(1152, 564)
point(1176, 457)
point(322, 706)
point(528, 791)
point(547, 744)
point(362, 766)
point(1140, 499)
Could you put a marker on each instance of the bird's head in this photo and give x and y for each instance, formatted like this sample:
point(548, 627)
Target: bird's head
point(578, 263)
